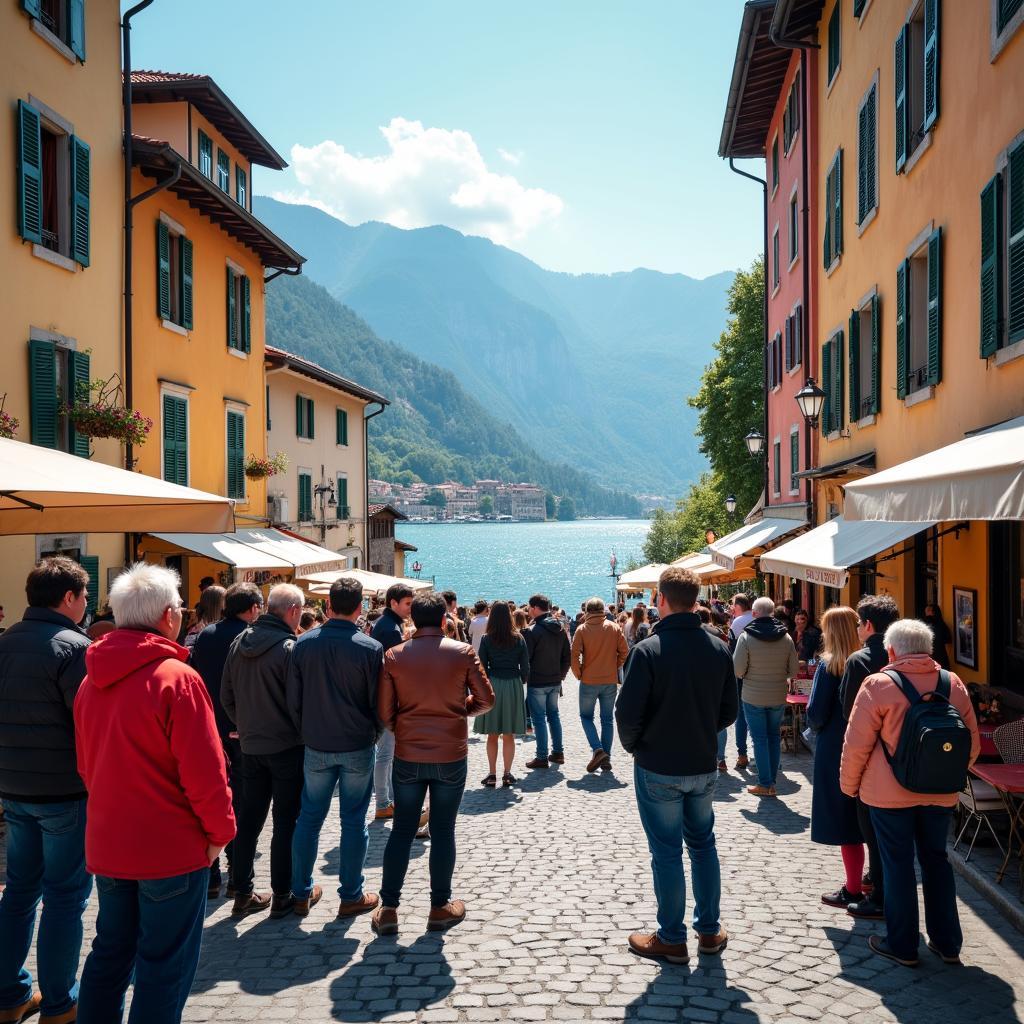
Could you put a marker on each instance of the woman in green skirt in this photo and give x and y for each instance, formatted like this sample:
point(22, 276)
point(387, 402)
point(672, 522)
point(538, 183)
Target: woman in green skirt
point(505, 659)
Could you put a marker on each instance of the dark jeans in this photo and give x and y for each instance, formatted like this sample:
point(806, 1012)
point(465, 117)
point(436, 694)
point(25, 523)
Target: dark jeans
point(233, 760)
point(543, 704)
point(900, 831)
point(265, 778)
point(45, 860)
point(152, 928)
point(412, 782)
point(876, 868)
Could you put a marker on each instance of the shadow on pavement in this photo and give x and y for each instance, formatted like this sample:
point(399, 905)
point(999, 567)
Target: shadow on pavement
point(331, 862)
point(599, 782)
point(488, 801)
point(774, 815)
point(701, 985)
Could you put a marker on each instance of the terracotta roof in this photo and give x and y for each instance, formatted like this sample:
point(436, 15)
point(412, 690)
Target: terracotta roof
point(211, 101)
point(376, 510)
point(401, 545)
point(281, 359)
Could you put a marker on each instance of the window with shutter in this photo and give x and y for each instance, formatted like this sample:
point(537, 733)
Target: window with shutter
point(789, 343)
point(775, 163)
point(935, 307)
point(902, 327)
point(832, 245)
point(80, 174)
point(341, 424)
point(91, 564)
point(775, 259)
point(175, 439)
point(867, 164)
point(899, 62)
point(64, 19)
point(834, 41)
point(991, 265)
point(304, 413)
point(777, 467)
point(241, 187)
point(205, 154)
point(174, 263)
point(916, 63)
point(305, 498)
point(1015, 245)
point(236, 455)
point(185, 250)
point(78, 391)
point(43, 398)
point(876, 357)
point(239, 312)
point(826, 386)
point(794, 230)
point(854, 365)
point(838, 373)
point(858, 8)
point(1006, 11)
point(163, 271)
point(931, 64)
point(344, 511)
point(798, 336)
point(794, 461)
point(223, 170)
point(30, 173)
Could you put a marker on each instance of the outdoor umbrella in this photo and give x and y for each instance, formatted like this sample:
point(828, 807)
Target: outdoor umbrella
point(373, 582)
point(47, 491)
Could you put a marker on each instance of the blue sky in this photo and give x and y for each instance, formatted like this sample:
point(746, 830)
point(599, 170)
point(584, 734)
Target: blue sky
point(582, 133)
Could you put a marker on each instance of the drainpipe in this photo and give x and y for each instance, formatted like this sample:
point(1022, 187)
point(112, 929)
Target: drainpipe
point(366, 479)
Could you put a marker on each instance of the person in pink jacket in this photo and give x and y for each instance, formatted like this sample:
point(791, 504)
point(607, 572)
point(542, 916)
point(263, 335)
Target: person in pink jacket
point(905, 820)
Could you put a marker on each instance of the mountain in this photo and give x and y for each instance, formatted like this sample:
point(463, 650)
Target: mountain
point(433, 430)
point(594, 368)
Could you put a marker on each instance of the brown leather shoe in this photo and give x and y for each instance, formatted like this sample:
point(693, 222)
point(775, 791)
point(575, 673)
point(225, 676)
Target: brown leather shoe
point(712, 945)
point(760, 790)
point(281, 906)
point(538, 762)
point(448, 916)
point(250, 903)
point(558, 758)
point(742, 762)
point(301, 908)
point(16, 1014)
point(597, 760)
point(385, 921)
point(648, 944)
point(383, 813)
point(353, 908)
point(67, 1017)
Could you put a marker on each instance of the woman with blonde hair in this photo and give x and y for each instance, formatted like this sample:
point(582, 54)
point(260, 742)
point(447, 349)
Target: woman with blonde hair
point(833, 813)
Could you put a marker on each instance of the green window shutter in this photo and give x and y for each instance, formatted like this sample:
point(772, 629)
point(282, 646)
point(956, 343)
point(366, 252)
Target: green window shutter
point(76, 24)
point(902, 326)
point(163, 271)
point(236, 455)
point(223, 170)
point(834, 40)
point(240, 186)
point(299, 409)
point(771, 364)
point(246, 316)
point(1015, 248)
point(185, 248)
point(342, 426)
point(827, 244)
point(826, 386)
point(900, 58)
point(233, 339)
point(1007, 9)
point(931, 63)
point(30, 173)
point(935, 307)
point(80, 174)
point(78, 372)
point(794, 461)
point(872, 154)
point(991, 260)
point(854, 366)
point(91, 564)
point(837, 223)
point(33, 7)
point(310, 419)
point(876, 351)
point(42, 362)
point(305, 497)
point(343, 510)
point(858, 8)
point(205, 154)
point(837, 383)
point(775, 163)
point(175, 436)
point(862, 164)
point(798, 336)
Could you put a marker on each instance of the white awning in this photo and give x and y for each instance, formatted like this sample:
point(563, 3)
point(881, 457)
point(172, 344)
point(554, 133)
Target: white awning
point(748, 538)
point(826, 553)
point(980, 477)
point(646, 577)
point(700, 564)
point(373, 582)
point(262, 550)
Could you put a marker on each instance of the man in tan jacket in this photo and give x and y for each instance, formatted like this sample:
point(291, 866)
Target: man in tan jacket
point(598, 652)
point(905, 820)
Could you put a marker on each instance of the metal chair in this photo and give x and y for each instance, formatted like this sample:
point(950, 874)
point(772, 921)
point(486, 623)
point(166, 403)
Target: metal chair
point(977, 801)
point(1008, 740)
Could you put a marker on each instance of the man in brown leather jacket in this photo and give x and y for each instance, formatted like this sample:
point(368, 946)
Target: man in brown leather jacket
point(429, 688)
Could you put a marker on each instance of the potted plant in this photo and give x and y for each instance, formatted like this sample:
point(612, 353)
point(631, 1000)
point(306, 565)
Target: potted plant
point(105, 415)
point(257, 468)
point(8, 422)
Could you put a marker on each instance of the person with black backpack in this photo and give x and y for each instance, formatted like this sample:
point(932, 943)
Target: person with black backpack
point(911, 738)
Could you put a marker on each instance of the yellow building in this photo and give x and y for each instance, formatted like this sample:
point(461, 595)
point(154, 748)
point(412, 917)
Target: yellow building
point(201, 262)
point(61, 205)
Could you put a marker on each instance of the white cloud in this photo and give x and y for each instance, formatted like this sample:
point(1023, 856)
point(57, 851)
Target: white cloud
point(428, 176)
point(510, 158)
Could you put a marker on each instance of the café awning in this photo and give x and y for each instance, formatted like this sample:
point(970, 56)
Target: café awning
point(373, 582)
point(46, 491)
point(825, 554)
point(980, 477)
point(265, 550)
point(728, 550)
point(644, 578)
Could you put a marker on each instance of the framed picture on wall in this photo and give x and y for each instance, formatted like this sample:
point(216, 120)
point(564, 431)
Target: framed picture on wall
point(965, 626)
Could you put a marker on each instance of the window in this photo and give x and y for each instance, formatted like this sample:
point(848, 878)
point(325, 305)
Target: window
point(794, 338)
point(865, 362)
point(57, 375)
point(174, 276)
point(858, 7)
point(1007, 17)
point(305, 497)
point(832, 384)
point(91, 564)
point(791, 115)
point(794, 461)
point(175, 436)
point(777, 467)
point(775, 361)
point(236, 454)
point(834, 42)
point(775, 258)
point(919, 318)
point(833, 245)
point(64, 19)
point(344, 510)
point(241, 186)
point(1006, 10)
point(205, 154)
point(223, 170)
point(867, 155)
point(54, 171)
point(794, 229)
point(341, 426)
point(1002, 256)
point(303, 417)
point(775, 164)
point(916, 77)
point(239, 319)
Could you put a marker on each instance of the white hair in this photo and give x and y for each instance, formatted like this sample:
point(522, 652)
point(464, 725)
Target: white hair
point(909, 636)
point(763, 606)
point(142, 593)
point(283, 598)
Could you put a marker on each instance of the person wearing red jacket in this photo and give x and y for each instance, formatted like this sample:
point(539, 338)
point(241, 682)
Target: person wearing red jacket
point(159, 808)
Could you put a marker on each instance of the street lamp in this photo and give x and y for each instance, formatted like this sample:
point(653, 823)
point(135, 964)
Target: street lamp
point(755, 443)
point(810, 398)
point(325, 495)
point(730, 504)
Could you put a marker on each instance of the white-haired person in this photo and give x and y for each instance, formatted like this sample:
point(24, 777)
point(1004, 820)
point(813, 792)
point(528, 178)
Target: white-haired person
point(765, 659)
point(159, 808)
point(906, 821)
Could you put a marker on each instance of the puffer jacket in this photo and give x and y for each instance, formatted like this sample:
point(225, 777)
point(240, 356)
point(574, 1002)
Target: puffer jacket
point(878, 713)
point(598, 651)
point(42, 664)
point(765, 659)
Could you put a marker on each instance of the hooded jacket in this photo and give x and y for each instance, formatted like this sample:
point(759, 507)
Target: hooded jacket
point(598, 651)
point(548, 649)
point(151, 759)
point(253, 691)
point(765, 659)
point(209, 655)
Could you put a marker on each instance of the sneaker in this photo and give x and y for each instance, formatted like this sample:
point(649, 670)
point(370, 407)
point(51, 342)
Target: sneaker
point(595, 762)
point(557, 758)
point(247, 903)
point(385, 921)
point(647, 944)
point(442, 918)
point(841, 898)
point(302, 907)
point(383, 813)
point(281, 906)
point(712, 945)
point(722, 766)
point(880, 947)
point(866, 910)
point(353, 908)
point(538, 762)
point(946, 958)
point(760, 790)
point(742, 762)
point(16, 1014)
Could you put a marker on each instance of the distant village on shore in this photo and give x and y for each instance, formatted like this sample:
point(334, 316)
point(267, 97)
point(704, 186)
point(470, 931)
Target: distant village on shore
point(483, 500)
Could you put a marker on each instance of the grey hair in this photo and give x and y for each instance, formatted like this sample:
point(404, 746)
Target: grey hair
point(763, 606)
point(909, 636)
point(283, 598)
point(142, 593)
point(593, 605)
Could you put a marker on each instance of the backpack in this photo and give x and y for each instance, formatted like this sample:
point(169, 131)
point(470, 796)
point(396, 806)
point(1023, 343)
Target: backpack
point(934, 747)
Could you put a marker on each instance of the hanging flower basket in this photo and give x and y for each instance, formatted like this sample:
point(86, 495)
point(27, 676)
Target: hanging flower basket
point(96, 419)
point(8, 423)
point(259, 469)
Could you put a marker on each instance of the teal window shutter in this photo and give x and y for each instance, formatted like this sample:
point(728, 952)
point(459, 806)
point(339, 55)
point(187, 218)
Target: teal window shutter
point(826, 247)
point(342, 426)
point(78, 373)
point(854, 365)
point(900, 59)
point(902, 327)
point(42, 362)
point(858, 8)
point(991, 265)
point(834, 40)
point(236, 455)
point(935, 307)
point(344, 512)
point(185, 248)
point(931, 63)
point(837, 383)
point(309, 418)
point(794, 461)
point(866, 153)
point(872, 152)
point(1015, 247)
point(32, 7)
point(30, 173)
point(80, 174)
point(246, 316)
point(1007, 9)
point(876, 351)
point(299, 408)
point(163, 271)
point(305, 498)
point(91, 564)
point(175, 436)
point(233, 339)
point(826, 386)
point(837, 187)
point(76, 28)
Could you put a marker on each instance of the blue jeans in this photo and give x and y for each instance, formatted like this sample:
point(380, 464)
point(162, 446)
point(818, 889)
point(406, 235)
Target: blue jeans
point(899, 832)
point(675, 809)
point(153, 929)
point(352, 773)
point(382, 762)
point(741, 723)
point(765, 726)
point(45, 859)
point(589, 696)
point(412, 781)
point(543, 704)
point(722, 737)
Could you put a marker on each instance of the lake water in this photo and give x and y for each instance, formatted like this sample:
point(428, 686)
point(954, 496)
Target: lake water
point(567, 561)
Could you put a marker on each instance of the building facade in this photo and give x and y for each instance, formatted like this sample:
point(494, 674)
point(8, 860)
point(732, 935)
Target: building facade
point(385, 554)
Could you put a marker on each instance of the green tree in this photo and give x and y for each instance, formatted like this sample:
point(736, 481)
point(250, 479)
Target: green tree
point(436, 498)
point(486, 505)
point(549, 505)
point(566, 509)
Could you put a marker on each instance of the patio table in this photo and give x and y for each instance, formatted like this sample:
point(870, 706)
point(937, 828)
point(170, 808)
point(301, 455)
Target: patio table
point(797, 703)
point(1008, 781)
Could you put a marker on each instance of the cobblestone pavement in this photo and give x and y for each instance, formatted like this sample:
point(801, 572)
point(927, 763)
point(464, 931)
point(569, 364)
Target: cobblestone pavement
point(556, 874)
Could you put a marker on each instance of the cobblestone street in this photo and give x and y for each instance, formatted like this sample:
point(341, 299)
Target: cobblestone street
point(555, 873)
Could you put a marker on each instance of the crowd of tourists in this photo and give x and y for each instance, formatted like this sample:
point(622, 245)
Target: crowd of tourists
point(138, 762)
